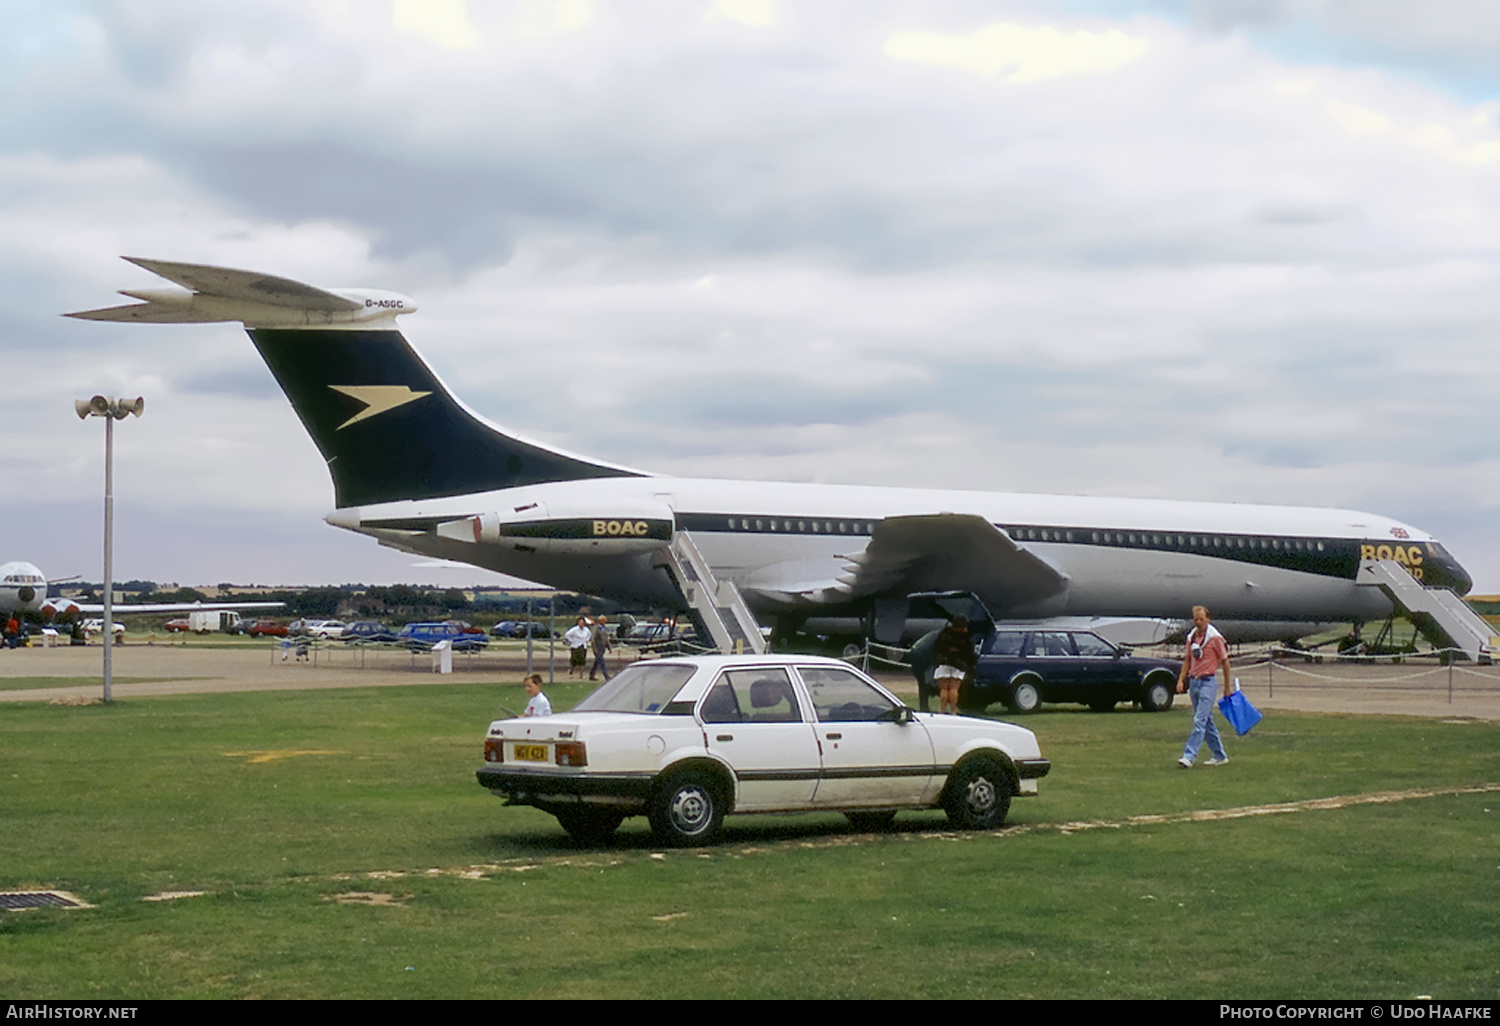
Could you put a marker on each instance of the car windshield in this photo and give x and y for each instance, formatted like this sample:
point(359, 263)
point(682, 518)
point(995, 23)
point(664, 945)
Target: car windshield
point(638, 689)
point(1093, 645)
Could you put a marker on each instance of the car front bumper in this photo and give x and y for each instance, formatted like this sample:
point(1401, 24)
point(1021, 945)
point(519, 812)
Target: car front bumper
point(1033, 769)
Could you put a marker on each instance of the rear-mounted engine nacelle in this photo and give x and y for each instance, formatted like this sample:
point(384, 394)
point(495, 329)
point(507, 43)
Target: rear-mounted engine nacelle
point(541, 529)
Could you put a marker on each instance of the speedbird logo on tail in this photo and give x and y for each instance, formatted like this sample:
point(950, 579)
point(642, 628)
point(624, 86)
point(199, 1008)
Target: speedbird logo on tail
point(378, 399)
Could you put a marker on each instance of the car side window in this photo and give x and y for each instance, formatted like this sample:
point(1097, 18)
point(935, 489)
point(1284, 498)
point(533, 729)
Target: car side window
point(1093, 646)
point(838, 696)
point(1051, 643)
point(1005, 643)
point(751, 696)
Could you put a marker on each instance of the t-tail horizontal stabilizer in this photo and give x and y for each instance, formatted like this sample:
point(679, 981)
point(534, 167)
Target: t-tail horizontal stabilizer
point(388, 428)
point(212, 294)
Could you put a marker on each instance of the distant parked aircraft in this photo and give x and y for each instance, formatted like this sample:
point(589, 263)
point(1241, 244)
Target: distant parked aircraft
point(23, 589)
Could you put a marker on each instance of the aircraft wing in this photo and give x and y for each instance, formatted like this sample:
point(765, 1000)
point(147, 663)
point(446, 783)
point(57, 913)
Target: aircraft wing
point(933, 552)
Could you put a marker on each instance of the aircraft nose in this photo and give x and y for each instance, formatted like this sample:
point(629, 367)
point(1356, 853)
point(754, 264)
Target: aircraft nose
point(1443, 570)
point(1459, 578)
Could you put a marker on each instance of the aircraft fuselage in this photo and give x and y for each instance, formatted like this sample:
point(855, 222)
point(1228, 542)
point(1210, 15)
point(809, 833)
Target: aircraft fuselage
point(781, 544)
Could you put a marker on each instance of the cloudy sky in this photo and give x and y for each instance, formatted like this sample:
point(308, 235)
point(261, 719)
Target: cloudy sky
point(1236, 250)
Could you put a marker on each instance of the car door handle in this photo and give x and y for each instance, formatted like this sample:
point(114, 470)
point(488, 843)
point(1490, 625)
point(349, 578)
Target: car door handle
point(835, 737)
point(723, 737)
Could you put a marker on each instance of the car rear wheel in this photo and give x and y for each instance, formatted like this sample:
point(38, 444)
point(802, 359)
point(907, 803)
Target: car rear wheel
point(686, 809)
point(1024, 697)
point(978, 795)
point(1158, 695)
point(589, 825)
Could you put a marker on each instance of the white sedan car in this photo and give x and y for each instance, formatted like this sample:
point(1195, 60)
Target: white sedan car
point(92, 627)
point(685, 741)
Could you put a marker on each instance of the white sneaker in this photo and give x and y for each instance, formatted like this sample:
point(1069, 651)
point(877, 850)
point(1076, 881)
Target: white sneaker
point(1185, 764)
point(1217, 762)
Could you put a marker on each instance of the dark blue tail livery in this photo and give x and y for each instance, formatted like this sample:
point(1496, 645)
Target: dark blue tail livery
point(388, 428)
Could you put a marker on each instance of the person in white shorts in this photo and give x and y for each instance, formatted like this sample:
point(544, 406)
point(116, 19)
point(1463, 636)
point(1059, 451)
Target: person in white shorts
point(955, 656)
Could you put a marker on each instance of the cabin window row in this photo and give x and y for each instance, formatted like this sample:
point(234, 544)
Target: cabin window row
point(1158, 540)
point(786, 525)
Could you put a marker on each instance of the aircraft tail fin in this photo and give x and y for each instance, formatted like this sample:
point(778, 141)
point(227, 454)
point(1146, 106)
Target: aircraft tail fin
point(388, 428)
point(391, 430)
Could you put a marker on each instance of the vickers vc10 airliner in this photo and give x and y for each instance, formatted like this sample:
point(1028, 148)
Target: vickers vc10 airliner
point(416, 469)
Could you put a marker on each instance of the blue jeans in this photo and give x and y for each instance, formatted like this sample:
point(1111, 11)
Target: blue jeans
point(1202, 691)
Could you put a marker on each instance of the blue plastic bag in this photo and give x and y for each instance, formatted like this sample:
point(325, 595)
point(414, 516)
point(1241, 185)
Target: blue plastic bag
point(1239, 712)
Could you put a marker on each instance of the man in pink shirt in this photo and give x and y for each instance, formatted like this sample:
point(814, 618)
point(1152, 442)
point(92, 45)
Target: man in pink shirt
point(1207, 651)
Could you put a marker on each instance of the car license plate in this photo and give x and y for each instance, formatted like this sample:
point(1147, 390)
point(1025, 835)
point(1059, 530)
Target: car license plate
point(531, 753)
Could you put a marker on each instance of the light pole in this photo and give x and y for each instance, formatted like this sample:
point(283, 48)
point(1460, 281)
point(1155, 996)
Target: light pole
point(111, 410)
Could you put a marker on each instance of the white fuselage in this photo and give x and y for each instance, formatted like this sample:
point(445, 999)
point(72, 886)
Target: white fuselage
point(784, 544)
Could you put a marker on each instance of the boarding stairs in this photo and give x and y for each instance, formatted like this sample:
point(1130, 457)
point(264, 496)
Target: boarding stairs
point(1442, 617)
point(718, 608)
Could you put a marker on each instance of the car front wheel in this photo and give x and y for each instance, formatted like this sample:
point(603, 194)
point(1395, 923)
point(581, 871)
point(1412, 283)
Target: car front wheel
point(1024, 697)
point(978, 796)
point(686, 809)
point(1158, 695)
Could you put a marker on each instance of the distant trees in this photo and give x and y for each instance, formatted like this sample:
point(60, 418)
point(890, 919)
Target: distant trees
point(396, 602)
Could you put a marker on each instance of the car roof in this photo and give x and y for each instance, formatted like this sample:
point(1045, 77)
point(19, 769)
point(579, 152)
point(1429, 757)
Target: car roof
point(707, 668)
point(1045, 627)
point(730, 661)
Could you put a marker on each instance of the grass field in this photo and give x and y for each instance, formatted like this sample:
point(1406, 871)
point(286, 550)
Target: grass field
point(345, 851)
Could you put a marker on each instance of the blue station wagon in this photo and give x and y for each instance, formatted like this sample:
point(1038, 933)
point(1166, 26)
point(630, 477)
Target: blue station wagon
point(1024, 665)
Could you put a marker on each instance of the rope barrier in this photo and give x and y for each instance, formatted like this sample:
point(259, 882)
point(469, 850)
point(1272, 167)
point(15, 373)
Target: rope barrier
point(1348, 680)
